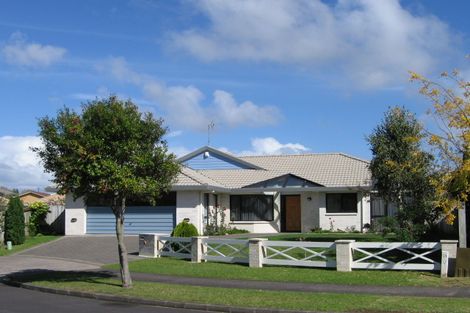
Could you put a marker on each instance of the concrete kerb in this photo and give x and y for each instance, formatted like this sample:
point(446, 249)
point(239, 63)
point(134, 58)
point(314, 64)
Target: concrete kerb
point(135, 300)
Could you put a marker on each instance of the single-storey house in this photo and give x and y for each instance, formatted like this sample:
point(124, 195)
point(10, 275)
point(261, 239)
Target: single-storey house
point(262, 194)
point(30, 196)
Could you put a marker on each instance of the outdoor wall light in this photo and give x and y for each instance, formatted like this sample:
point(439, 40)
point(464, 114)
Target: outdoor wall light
point(309, 198)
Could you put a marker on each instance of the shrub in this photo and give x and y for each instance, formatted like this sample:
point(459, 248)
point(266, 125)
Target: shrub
point(385, 225)
point(39, 211)
point(233, 231)
point(184, 229)
point(14, 222)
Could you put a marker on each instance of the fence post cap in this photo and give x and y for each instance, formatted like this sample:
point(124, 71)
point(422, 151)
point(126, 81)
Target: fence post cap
point(257, 239)
point(345, 241)
point(449, 241)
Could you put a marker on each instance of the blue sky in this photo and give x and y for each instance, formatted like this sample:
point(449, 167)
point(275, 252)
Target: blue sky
point(274, 76)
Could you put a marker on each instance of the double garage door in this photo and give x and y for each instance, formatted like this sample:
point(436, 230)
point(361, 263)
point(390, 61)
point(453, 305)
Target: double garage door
point(138, 219)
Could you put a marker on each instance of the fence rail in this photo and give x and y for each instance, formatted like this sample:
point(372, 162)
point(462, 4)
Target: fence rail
point(226, 250)
point(176, 247)
point(308, 254)
point(397, 255)
point(345, 255)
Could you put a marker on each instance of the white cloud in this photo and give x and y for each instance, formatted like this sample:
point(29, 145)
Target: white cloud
point(19, 166)
point(179, 151)
point(18, 51)
point(372, 42)
point(183, 105)
point(174, 133)
point(271, 146)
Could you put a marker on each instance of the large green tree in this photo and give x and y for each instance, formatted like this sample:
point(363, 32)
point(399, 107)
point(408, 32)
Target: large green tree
point(14, 222)
point(402, 171)
point(110, 150)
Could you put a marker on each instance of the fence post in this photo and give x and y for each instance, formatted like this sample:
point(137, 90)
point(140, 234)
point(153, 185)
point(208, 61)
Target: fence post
point(344, 257)
point(149, 245)
point(198, 248)
point(256, 252)
point(448, 259)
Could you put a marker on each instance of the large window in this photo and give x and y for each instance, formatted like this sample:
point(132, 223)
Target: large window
point(251, 208)
point(341, 203)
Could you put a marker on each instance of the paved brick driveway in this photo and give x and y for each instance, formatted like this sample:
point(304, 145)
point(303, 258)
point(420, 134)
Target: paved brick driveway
point(97, 250)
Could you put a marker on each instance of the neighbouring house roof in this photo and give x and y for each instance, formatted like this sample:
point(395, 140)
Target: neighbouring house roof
point(54, 199)
point(5, 191)
point(319, 170)
point(34, 193)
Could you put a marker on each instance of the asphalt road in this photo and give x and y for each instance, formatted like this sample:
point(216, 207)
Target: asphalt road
point(19, 300)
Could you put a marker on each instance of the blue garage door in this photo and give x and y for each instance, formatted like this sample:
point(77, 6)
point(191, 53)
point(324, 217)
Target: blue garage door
point(138, 219)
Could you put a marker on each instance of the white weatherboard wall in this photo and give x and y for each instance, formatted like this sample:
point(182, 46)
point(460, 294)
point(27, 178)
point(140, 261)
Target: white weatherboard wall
point(75, 216)
point(189, 205)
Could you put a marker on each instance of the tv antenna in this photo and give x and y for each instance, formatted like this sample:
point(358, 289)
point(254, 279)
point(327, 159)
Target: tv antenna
point(209, 128)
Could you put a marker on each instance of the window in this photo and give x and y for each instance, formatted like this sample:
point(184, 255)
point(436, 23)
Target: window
point(341, 203)
point(251, 208)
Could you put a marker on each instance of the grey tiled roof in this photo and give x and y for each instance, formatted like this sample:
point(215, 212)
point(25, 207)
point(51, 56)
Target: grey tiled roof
point(190, 177)
point(329, 170)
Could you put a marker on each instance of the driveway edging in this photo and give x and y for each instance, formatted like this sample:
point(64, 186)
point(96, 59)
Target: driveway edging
point(141, 301)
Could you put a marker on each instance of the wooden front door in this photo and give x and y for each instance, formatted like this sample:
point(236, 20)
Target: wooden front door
point(292, 213)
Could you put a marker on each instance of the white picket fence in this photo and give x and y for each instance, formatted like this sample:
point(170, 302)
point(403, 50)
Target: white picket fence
point(345, 255)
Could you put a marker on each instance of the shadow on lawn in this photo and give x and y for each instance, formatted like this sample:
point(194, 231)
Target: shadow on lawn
point(36, 275)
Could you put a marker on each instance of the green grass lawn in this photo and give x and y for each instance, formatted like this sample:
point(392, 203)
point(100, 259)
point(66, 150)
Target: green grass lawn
point(29, 243)
point(327, 236)
point(254, 298)
point(170, 266)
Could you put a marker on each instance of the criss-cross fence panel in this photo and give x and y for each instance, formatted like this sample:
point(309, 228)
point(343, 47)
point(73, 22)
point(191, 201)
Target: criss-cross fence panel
point(177, 247)
point(310, 254)
point(226, 250)
point(397, 255)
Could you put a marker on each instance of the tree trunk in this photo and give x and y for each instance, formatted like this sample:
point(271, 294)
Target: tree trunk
point(123, 261)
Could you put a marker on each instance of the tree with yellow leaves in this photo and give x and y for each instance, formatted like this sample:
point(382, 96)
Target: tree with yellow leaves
point(451, 111)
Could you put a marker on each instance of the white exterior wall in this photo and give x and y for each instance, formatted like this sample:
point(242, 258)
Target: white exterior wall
point(342, 221)
point(273, 226)
point(189, 205)
point(310, 204)
point(365, 209)
point(75, 216)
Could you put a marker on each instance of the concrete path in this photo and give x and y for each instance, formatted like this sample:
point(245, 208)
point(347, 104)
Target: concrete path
point(97, 250)
point(306, 287)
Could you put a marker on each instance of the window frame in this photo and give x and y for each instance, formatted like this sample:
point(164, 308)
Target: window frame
point(342, 194)
point(240, 208)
